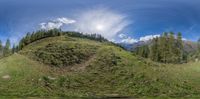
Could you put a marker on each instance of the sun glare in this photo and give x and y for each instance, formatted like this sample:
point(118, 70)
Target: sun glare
point(100, 27)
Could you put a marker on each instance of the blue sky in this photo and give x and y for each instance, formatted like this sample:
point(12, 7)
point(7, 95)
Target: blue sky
point(133, 18)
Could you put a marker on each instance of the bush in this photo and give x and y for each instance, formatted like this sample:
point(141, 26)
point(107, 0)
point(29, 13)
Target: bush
point(62, 54)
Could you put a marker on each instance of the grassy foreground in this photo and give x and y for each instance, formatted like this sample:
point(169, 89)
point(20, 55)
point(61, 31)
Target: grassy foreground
point(108, 71)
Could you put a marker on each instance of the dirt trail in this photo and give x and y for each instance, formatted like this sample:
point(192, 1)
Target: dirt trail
point(82, 66)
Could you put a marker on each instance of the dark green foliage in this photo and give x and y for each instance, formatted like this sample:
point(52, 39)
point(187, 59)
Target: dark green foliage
point(165, 49)
point(198, 45)
point(143, 51)
point(7, 50)
point(154, 49)
point(14, 49)
point(1, 49)
point(60, 54)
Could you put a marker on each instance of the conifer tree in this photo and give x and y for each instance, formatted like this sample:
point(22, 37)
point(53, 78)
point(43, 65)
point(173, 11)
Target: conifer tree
point(198, 44)
point(165, 49)
point(7, 50)
point(1, 49)
point(13, 49)
point(154, 50)
point(180, 46)
point(171, 56)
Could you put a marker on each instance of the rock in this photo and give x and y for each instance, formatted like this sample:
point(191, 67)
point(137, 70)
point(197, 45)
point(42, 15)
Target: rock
point(51, 78)
point(6, 77)
point(196, 60)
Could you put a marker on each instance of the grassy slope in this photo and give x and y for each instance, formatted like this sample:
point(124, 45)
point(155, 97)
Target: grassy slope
point(109, 71)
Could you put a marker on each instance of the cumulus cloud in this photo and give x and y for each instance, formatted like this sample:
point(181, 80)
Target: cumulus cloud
point(101, 21)
point(129, 40)
point(126, 39)
point(57, 23)
point(122, 36)
point(148, 37)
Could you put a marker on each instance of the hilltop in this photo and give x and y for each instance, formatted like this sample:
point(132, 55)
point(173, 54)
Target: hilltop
point(80, 67)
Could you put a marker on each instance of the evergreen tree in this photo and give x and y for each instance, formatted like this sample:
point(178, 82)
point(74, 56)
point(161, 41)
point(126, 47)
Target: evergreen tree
point(154, 50)
point(7, 50)
point(165, 49)
point(180, 47)
point(27, 39)
point(1, 49)
point(13, 49)
point(171, 56)
point(198, 42)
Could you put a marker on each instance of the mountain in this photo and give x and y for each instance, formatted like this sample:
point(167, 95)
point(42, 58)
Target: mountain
point(189, 46)
point(130, 47)
point(65, 66)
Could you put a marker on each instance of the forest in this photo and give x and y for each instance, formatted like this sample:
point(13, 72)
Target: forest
point(169, 48)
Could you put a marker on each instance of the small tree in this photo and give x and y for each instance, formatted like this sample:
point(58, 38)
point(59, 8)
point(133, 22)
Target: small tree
point(199, 45)
point(1, 49)
point(14, 49)
point(180, 46)
point(7, 51)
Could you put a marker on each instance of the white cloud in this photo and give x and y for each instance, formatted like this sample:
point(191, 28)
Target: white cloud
point(184, 39)
point(128, 40)
point(101, 21)
point(148, 37)
point(57, 23)
point(122, 36)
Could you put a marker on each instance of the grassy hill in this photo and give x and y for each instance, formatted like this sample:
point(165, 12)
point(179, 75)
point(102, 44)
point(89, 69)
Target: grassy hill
point(76, 67)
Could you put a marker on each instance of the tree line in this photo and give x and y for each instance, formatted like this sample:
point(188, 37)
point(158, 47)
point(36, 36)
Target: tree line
point(41, 34)
point(197, 54)
point(165, 49)
point(6, 50)
point(29, 38)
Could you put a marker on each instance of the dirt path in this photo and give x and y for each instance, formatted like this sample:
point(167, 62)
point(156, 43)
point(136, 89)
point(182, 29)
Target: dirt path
point(82, 66)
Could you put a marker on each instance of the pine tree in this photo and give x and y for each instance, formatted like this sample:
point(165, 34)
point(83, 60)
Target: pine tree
point(198, 44)
point(171, 56)
point(154, 50)
point(1, 49)
point(7, 50)
point(163, 47)
point(13, 49)
point(27, 39)
point(180, 47)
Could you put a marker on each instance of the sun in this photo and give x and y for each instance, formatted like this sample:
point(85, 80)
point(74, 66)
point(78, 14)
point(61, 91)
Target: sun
point(99, 27)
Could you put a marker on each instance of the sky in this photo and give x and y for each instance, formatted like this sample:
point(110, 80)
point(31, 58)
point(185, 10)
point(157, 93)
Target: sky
point(126, 21)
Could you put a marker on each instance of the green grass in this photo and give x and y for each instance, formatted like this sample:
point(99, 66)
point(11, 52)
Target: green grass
point(109, 71)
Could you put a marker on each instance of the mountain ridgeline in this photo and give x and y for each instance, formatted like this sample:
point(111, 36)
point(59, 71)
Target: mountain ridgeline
point(165, 49)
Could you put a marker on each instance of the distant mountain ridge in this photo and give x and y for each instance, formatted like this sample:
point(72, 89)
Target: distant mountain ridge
point(189, 46)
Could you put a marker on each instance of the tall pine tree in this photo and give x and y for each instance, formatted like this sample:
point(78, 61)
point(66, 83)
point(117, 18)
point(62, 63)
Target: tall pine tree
point(180, 47)
point(7, 51)
point(1, 49)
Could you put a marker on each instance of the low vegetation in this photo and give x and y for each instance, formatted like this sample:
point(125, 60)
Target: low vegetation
point(65, 54)
point(72, 66)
